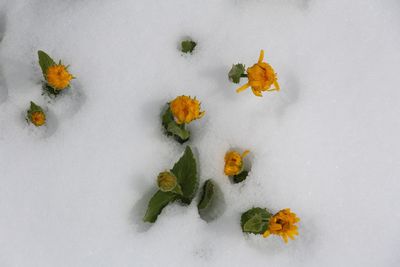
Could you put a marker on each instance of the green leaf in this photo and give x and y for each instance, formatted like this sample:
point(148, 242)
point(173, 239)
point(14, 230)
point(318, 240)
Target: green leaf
point(254, 224)
point(34, 108)
point(240, 177)
point(45, 61)
point(50, 91)
point(255, 221)
point(157, 203)
point(188, 46)
point(185, 171)
point(207, 195)
point(167, 117)
point(172, 128)
point(236, 72)
point(178, 130)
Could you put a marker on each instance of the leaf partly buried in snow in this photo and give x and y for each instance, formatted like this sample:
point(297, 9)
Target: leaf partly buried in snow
point(178, 130)
point(45, 61)
point(185, 171)
point(240, 177)
point(255, 221)
point(207, 195)
point(156, 205)
point(236, 72)
point(167, 117)
point(172, 128)
point(188, 46)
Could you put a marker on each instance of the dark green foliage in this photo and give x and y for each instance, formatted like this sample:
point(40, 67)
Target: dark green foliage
point(240, 177)
point(45, 61)
point(157, 203)
point(255, 221)
point(207, 195)
point(187, 46)
point(172, 128)
point(236, 72)
point(185, 171)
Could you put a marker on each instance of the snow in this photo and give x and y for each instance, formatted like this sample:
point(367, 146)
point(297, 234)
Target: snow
point(326, 146)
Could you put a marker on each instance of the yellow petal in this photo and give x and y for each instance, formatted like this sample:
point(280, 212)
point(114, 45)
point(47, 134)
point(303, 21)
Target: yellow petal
point(242, 88)
point(266, 234)
point(276, 84)
point(255, 92)
point(245, 153)
point(260, 59)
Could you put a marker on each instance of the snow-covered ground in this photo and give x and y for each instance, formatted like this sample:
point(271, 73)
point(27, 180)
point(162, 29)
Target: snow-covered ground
point(327, 146)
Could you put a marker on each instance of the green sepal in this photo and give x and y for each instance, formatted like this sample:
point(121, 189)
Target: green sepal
point(185, 171)
point(255, 221)
point(34, 108)
point(177, 190)
point(50, 91)
point(178, 130)
point(187, 46)
point(157, 203)
point(236, 72)
point(45, 61)
point(167, 117)
point(207, 195)
point(172, 128)
point(240, 177)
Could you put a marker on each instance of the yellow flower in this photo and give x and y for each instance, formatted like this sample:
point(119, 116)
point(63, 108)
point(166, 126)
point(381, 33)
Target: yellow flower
point(185, 109)
point(58, 77)
point(234, 162)
point(38, 118)
point(283, 224)
point(166, 181)
point(261, 77)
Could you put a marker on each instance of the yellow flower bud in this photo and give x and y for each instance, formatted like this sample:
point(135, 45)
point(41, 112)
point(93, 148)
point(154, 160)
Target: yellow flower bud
point(283, 224)
point(234, 162)
point(167, 181)
point(58, 77)
point(261, 77)
point(185, 109)
point(36, 115)
point(38, 118)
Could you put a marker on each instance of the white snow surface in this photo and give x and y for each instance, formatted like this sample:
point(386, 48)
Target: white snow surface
point(327, 146)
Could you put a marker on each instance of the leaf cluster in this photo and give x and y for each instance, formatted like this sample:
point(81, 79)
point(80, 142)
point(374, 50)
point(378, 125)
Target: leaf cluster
point(185, 170)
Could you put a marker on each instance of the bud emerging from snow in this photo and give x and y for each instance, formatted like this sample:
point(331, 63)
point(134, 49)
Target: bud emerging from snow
point(167, 182)
point(36, 115)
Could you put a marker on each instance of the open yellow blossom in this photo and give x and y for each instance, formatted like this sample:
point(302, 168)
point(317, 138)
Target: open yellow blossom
point(283, 224)
point(234, 162)
point(185, 109)
point(58, 77)
point(38, 118)
point(261, 77)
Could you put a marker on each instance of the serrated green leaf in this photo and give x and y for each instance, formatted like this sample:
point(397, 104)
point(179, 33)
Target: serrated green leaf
point(185, 171)
point(178, 130)
point(240, 177)
point(45, 61)
point(207, 195)
point(236, 72)
point(188, 46)
point(255, 221)
point(157, 203)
